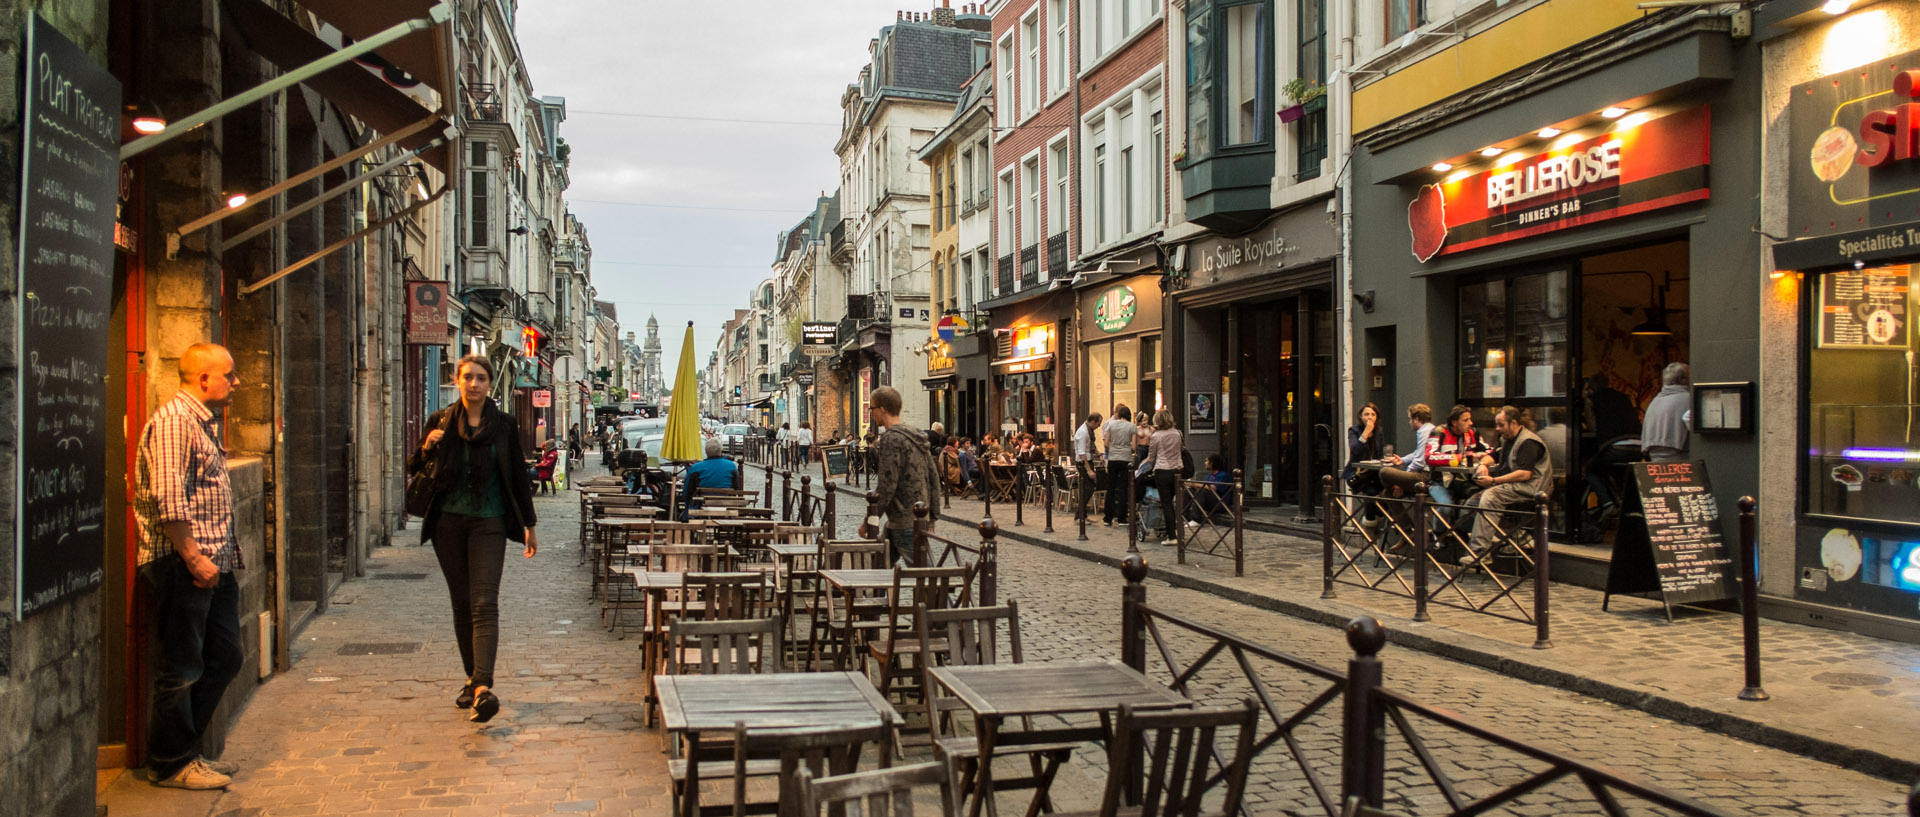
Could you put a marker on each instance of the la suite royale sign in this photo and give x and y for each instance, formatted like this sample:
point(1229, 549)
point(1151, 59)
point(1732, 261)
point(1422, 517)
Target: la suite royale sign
point(1660, 163)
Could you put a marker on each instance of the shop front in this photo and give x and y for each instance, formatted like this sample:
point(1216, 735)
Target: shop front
point(1549, 260)
point(972, 373)
point(1121, 345)
point(939, 383)
point(1257, 380)
point(1025, 387)
point(1839, 304)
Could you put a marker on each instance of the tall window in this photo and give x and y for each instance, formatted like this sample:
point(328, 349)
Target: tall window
point(1007, 245)
point(1057, 205)
point(966, 172)
point(1058, 59)
point(1156, 162)
point(981, 182)
point(966, 280)
point(477, 232)
point(1311, 144)
point(938, 204)
point(953, 212)
point(1248, 74)
point(1004, 111)
point(1098, 181)
point(1199, 81)
point(1129, 198)
point(1030, 220)
point(1030, 64)
point(1404, 16)
point(1108, 23)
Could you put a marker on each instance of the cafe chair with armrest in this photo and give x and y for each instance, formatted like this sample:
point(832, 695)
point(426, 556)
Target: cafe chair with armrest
point(823, 751)
point(970, 636)
point(877, 792)
point(897, 647)
point(1177, 746)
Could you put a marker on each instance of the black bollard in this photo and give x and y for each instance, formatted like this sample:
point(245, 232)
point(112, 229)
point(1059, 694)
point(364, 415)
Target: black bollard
point(1080, 498)
point(1047, 489)
point(806, 499)
point(1422, 550)
point(1750, 602)
point(1363, 741)
point(1133, 515)
point(1542, 579)
point(1328, 530)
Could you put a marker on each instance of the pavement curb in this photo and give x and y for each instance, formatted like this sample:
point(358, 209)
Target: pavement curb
point(1505, 659)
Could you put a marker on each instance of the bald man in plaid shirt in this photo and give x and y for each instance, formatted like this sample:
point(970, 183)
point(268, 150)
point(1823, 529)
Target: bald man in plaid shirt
point(185, 505)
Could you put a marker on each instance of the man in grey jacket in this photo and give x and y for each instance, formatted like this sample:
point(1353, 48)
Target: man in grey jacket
point(904, 474)
point(1663, 435)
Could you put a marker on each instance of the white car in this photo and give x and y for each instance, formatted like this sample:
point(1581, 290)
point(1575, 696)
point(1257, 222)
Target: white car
point(734, 437)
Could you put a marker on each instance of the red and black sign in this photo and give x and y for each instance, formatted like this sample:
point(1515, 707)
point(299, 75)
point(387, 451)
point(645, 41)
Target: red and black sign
point(1855, 161)
point(1632, 169)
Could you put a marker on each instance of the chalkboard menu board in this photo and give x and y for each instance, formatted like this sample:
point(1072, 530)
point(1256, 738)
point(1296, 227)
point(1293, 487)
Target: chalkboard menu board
point(1673, 545)
point(1864, 309)
point(68, 184)
point(833, 462)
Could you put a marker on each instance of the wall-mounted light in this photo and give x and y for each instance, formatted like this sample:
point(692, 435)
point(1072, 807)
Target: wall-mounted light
point(1614, 112)
point(1441, 167)
point(147, 118)
point(518, 230)
point(1549, 133)
point(1836, 7)
point(236, 201)
point(1492, 151)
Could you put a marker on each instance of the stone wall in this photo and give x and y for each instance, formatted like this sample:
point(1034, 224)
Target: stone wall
point(49, 664)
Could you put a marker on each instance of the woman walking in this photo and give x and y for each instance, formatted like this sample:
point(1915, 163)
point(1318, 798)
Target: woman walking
point(481, 499)
point(1163, 448)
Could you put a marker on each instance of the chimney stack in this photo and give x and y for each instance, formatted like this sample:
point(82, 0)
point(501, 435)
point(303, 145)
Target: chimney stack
point(943, 16)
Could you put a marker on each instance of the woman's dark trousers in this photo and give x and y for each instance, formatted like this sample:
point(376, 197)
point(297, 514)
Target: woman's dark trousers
point(472, 552)
point(1117, 495)
point(1166, 481)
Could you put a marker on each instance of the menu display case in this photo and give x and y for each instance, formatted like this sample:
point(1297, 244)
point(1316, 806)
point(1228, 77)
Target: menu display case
point(1864, 462)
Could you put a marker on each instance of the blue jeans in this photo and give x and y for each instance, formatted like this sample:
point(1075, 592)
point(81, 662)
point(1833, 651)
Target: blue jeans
point(200, 653)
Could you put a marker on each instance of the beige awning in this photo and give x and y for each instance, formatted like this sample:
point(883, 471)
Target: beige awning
point(427, 55)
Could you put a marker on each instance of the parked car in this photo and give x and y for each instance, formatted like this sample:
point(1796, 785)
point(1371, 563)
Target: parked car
point(642, 450)
point(734, 437)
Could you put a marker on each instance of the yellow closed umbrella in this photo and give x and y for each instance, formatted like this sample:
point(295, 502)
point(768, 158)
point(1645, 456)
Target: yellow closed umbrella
point(683, 415)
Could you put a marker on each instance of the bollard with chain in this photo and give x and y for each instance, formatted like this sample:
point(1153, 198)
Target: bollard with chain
point(1750, 603)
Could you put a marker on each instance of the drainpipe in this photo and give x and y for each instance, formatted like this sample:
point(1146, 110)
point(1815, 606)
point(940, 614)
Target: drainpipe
point(1339, 111)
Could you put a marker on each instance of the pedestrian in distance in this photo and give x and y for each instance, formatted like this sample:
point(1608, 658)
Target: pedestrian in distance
point(1119, 435)
point(184, 502)
point(904, 474)
point(803, 438)
point(543, 470)
point(573, 445)
point(1163, 448)
point(1083, 459)
point(481, 500)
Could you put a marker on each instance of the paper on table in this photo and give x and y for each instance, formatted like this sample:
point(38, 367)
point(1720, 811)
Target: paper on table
point(1540, 381)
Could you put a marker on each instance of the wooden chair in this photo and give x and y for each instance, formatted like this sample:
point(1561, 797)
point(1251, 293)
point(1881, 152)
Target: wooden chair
point(1178, 747)
point(971, 638)
point(877, 792)
point(725, 646)
point(781, 753)
point(915, 590)
point(632, 548)
point(733, 595)
point(831, 624)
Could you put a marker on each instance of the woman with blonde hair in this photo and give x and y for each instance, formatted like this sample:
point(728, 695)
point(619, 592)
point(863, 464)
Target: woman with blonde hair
point(1163, 450)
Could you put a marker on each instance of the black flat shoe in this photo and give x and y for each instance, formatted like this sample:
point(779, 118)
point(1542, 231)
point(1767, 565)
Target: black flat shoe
point(485, 706)
point(465, 699)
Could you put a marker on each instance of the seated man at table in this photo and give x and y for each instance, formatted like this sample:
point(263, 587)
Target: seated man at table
point(1522, 469)
point(1454, 445)
point(1402, 473)
point(716, 471)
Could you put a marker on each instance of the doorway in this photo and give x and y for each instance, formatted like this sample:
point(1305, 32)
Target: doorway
point(1279, 420)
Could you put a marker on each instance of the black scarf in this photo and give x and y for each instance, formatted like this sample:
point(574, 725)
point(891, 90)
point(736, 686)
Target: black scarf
point(479, 441)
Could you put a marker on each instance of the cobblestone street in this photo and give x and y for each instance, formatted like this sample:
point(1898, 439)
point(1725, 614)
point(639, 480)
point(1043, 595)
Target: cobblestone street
point(364, 722)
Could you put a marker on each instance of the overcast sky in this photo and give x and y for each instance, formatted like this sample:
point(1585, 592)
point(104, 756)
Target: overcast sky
point(682, 212)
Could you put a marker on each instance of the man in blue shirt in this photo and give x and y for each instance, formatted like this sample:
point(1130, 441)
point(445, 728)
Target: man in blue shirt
point(716, 471)
point(1402, 473)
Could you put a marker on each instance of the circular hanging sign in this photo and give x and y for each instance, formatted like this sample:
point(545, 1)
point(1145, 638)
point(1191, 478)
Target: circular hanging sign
point(1115, 309)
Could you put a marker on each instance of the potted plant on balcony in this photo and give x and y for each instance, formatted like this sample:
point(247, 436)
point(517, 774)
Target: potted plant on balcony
point(1303, 93)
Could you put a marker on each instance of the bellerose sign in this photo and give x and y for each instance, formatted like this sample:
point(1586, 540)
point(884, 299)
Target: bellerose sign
point(1657, 163)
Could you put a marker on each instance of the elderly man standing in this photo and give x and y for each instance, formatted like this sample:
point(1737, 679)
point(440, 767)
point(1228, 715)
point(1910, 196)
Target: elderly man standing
point(904, 474)
point(184, 502)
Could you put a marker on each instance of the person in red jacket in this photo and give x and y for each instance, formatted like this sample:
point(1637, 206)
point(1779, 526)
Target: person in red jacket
point(543, 470)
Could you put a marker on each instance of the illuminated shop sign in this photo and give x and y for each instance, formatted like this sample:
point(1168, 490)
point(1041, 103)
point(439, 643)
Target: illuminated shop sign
point(1855, 136)
point(1634, 166)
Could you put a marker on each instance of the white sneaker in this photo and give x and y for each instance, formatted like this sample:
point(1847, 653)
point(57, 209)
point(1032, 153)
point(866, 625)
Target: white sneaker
point(195, 776)
point(1192, 524)
point(226, 767)
point(1170, 541)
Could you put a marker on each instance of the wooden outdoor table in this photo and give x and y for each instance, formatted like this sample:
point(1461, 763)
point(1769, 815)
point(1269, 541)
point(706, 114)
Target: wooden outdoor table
point(852, 583)
point(752, 512)
point(712, 513)
point(996, 692)
point(691, 705)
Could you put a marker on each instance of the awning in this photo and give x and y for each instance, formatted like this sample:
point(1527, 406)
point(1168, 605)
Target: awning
point(1030, 363)
point(358, 91)
point(427, 55)
point(944, 381)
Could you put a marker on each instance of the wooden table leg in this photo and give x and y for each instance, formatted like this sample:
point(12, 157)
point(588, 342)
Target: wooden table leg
point(690, 798)
point(988, 731)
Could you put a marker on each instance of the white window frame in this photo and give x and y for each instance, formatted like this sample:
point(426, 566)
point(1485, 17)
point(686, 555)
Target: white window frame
point(1107, 27)
point(1059, 59)
point(1006, 68)
point(1104, 217)
point(1030, 191)
point(1060, 176)
point(1006, 245)
point(1030, 76)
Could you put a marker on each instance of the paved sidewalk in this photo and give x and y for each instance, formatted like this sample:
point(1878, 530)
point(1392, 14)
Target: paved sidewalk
point(1846, 699)
point(371, 729)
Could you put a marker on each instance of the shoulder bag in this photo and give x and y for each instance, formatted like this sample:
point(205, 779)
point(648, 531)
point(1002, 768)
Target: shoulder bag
point(424, 483)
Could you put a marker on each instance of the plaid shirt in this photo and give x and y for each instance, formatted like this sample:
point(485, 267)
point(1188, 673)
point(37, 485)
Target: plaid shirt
point(182, 473)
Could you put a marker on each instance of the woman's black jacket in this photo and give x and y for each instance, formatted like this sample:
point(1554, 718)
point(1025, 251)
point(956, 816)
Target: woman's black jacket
point(508, 457)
